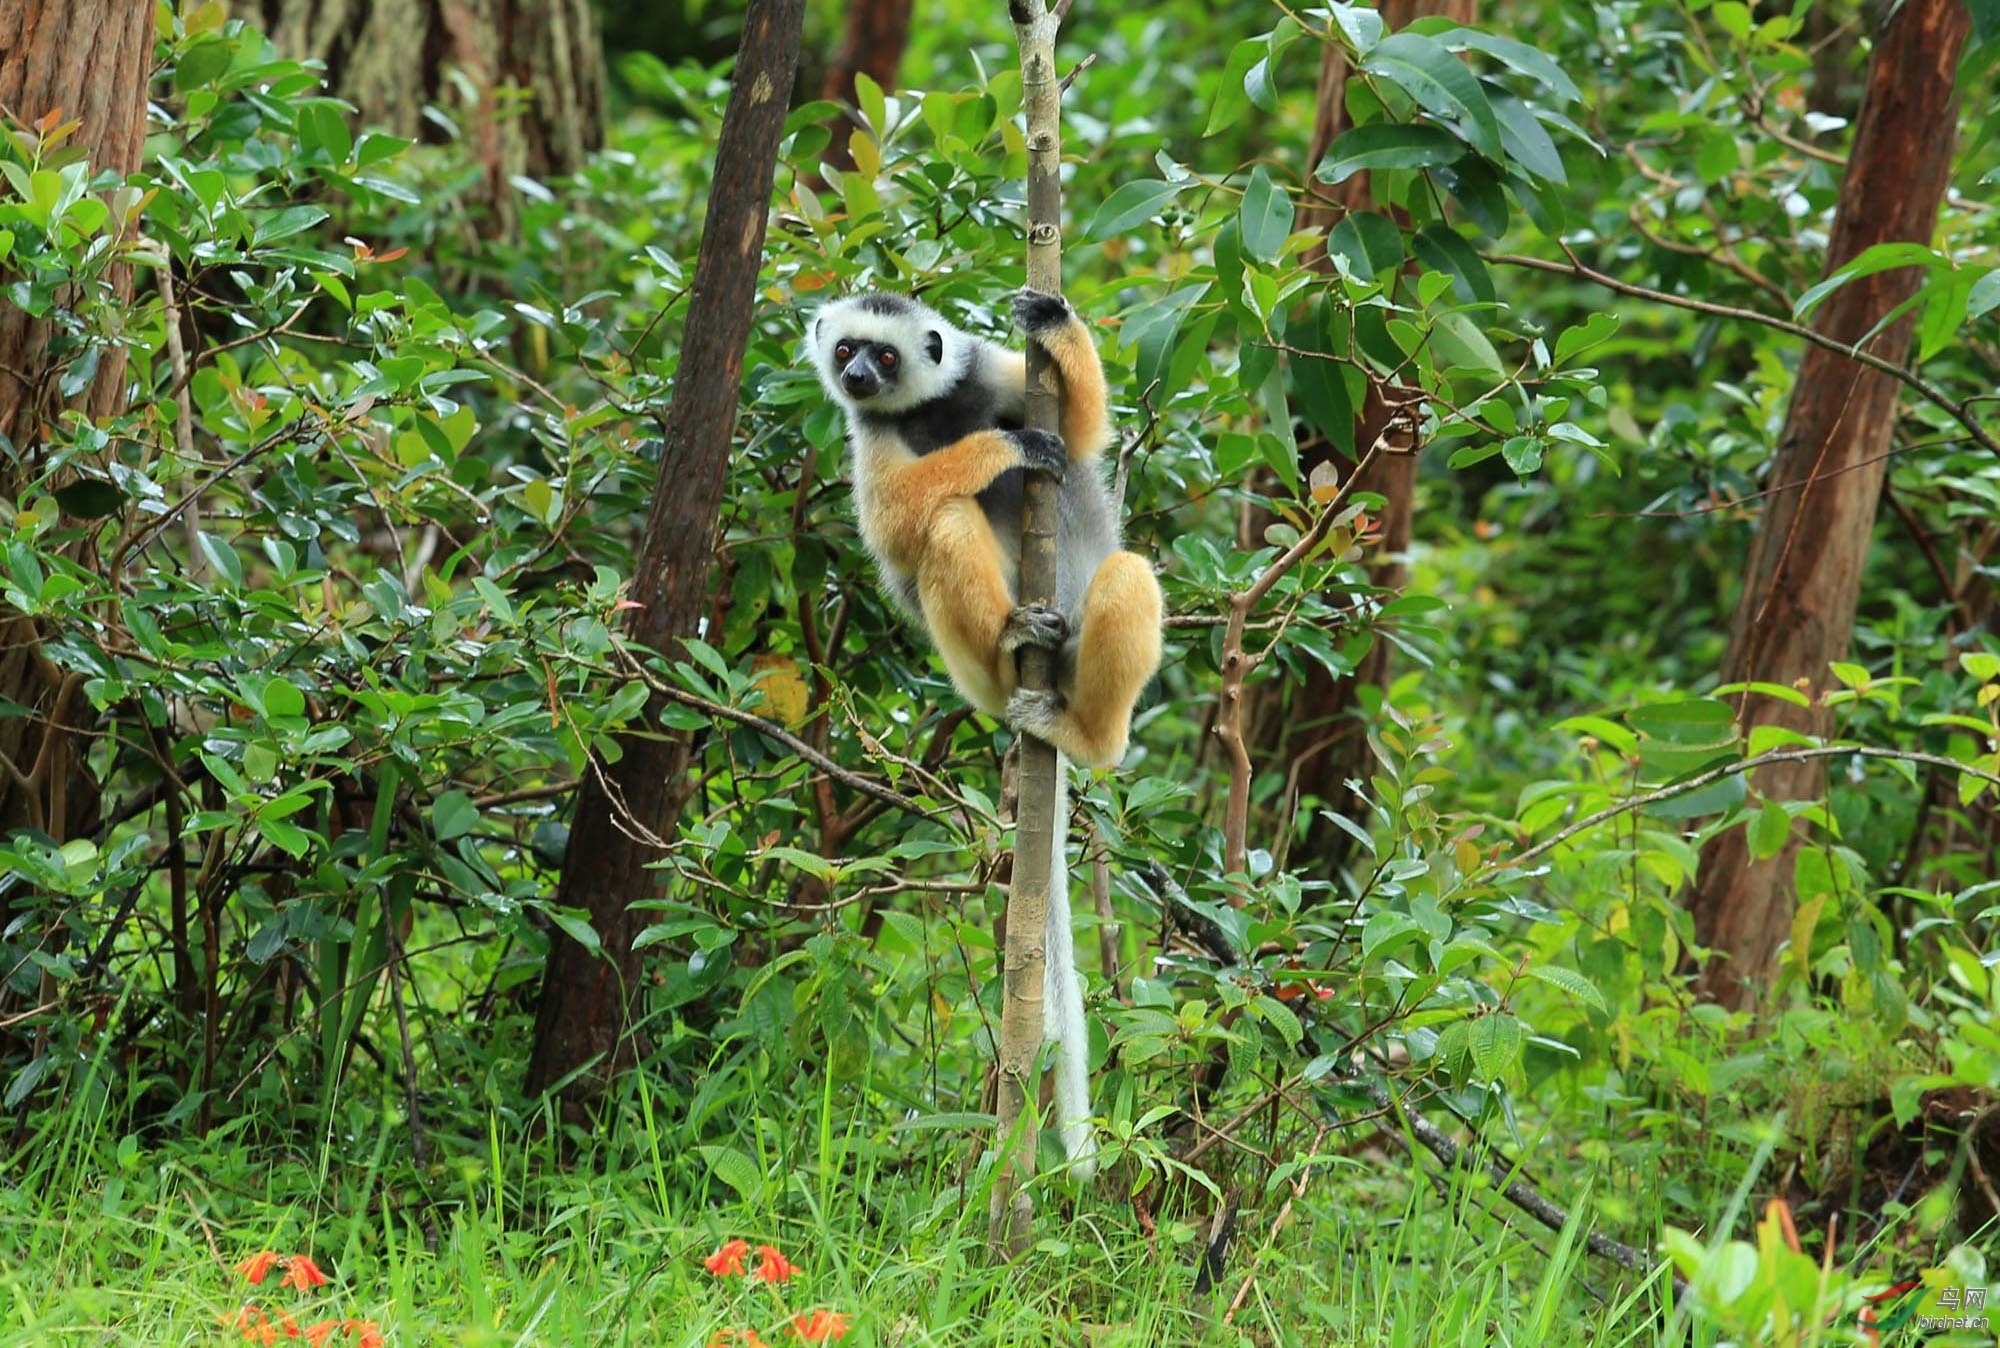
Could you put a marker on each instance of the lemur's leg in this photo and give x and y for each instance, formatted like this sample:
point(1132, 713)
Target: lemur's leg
point(963, 593)
point(1118, 648)
point(962, 585)
point(1052, 325)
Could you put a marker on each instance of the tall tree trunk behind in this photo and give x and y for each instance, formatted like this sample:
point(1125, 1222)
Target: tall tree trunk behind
point(1318, 740)
point(871, 44)
point(86, 60)
point(535, 70)
point(1797, 608)
point(586, 999)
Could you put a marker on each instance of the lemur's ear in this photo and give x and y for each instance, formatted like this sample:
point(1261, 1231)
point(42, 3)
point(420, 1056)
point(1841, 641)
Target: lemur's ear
point(934, 343)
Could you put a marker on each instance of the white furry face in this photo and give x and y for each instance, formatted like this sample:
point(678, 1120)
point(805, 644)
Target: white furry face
point(885, 353)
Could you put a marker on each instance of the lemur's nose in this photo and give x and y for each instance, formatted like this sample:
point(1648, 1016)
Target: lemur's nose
point(859, 381)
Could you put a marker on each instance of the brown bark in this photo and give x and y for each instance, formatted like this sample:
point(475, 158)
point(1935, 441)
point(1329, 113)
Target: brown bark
point(1320, 742)
point(871, 44)
point(88, 61)
point(535, 70)
point(60, 60)
point(586, 999)
point(1804, 573)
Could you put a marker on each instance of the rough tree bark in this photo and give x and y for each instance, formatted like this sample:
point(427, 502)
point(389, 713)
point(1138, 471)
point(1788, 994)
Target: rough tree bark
point(1797, 608)
point(60, 60)
point(535, 70)
point(1317, 740)
point(871, 44)
point(1036, 835)
point(586, 999)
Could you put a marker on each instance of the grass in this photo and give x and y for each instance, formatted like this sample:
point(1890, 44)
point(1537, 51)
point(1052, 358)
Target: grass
point(494, 1240)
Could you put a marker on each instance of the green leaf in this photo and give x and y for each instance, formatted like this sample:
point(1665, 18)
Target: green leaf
point(1387, 145)
point(1231, 102)
point(1593, 331)
point(1495, 1044)
point(222, 557)
point(1526, 141)
point(1880, 258)
point(1440, 84)
point(1769, 831)
point(575, 923)
point(1130, 206)
point(1571, 982)
point(735, 1169)
point(1519, 57)
point(1981, 300)
point(1695, 720)
point(453, 815)
point(1443, 249)
point(1267, 215)
point(1370, 242)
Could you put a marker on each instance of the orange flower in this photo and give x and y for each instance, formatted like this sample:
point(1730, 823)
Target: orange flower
point(773, 1267)
point(318, 1334)
point(367, 1334)
point(301, 1272)
point(727, 1261)
point(821, 1326)
point(258, 1266)
point(740, 1338)
point(252, 1324)
point(288, 1324)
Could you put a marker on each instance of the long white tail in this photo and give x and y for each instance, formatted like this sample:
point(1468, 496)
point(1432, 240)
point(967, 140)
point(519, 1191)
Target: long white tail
point(1062, 1001)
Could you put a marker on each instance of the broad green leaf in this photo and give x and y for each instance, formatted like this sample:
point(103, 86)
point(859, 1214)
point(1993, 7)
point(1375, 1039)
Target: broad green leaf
point(1440, 84)
point(1231, 102)
point(1769, 831)
point(1370, 242)
point(1695, 720)
point(453, 815)
point(1571, 982)
point(1495, 1044)
point(1444, 249)
point(1267, 215)
point(1130, 206)
point(1519, 57)
point(1880, 258)
point(1526, 141)
point(1386, 145)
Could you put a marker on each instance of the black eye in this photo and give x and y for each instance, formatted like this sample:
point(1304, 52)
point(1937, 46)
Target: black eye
point(843, 353)
point(887, 357)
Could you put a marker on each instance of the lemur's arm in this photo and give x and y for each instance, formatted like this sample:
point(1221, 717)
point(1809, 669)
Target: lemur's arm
point(1051, 324)
point(911, 491)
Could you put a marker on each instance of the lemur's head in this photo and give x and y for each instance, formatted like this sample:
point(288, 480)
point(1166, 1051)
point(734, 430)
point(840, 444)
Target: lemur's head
point(886, 353)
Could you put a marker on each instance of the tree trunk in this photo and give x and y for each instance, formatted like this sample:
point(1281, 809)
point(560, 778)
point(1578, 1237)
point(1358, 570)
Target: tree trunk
point(587, 998)
point(60, 60)
point(871, 44)
point(1797, 608)
point(535, 70)
point(1319, 741)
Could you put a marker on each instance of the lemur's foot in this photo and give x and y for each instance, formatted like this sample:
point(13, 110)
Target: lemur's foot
point(1042, 452)
point(1038, 312)
point(1034, 625)
point(1035, 713)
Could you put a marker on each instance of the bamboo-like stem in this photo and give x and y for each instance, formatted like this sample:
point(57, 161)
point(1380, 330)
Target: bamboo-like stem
point(1010, 1218)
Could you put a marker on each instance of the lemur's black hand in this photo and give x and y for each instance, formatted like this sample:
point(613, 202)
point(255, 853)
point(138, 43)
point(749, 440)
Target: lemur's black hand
point(1037, 312)
point(1042, 452)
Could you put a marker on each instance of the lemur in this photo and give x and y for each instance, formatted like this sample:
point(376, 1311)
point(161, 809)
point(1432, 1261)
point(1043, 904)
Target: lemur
point(934, 419)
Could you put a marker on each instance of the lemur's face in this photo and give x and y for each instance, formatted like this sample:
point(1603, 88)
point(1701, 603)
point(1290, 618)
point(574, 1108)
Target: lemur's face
point(882, 352)
point(866, 368)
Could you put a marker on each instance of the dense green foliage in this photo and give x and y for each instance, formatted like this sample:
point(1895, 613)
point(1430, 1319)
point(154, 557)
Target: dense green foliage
point(342, 590)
